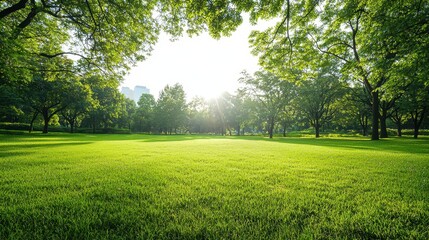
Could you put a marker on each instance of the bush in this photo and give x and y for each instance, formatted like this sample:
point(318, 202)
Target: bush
point(411, 132)
point(392, 132)
point(113, 130)
point(103, 130)
point(26, 127)
point(14, 126)
point(57, 129)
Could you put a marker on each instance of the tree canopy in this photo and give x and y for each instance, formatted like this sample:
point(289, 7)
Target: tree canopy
point(370, 38)
point(106, 35)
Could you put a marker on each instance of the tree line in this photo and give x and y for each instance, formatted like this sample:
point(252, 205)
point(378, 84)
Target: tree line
point(263, 104)
point(267, 104)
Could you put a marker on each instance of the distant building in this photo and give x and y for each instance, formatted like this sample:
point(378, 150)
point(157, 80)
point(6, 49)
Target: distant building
point(136, 93)
point(128, 92)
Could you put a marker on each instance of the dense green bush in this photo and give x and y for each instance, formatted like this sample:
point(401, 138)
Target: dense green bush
point(411, 132)
point(14, 126)
point(26, 127)
point(307, 132)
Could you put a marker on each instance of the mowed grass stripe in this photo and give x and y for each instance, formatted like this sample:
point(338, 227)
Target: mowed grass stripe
point(187, 187)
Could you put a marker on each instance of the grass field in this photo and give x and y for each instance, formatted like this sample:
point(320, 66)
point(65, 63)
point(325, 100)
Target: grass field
point(62, 186)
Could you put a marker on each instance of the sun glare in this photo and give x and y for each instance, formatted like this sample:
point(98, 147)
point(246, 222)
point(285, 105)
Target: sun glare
point(206, 89)
point(202, 65)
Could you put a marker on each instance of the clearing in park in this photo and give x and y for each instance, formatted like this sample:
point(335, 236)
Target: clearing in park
point(62, 186)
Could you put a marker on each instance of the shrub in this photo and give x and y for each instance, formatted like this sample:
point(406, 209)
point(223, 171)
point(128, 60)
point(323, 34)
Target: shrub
point(14, 126)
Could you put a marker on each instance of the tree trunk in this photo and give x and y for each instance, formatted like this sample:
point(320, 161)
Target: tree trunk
point(416, 128)
point(271, 128)
point(399, 125)
point(32, 121)
point(71, 126)
point(45, 115)
point(418, 122)
point(317, 128)
point(93, 125)
point(284, 130)
point(364, 125)
point(375, 115)
point(383, 127)
point(238, 129)
point(397, 119)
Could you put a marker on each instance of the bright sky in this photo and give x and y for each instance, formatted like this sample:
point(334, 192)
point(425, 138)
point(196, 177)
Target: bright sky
point(204, 66)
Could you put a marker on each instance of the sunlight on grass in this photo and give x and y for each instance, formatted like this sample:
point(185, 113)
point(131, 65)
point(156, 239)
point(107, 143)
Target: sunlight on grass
point(139, 186)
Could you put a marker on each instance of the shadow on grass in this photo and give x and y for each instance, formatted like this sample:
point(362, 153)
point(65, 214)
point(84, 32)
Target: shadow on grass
point(405, 144)
point(22, 150)
point(22, 164)
point(66, 137)
point(178, 138)
point(9, 150)
point(13, 132)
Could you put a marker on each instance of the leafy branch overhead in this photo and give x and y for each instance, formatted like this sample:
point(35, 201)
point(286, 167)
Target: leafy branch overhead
point(105, 34)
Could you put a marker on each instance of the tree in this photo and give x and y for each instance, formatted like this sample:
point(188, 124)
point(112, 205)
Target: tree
point(347, 31)
point(229, 106)
point(417, 99)
point(11, 105)
point(399, 115)
point(103, 33)
point(391, 93)
point(270, 92)
point(318, 96)
point(217, 110)
point(107, 102)
point(198, 115)
point(361, 105)
point(170, 113)
point(143, 118)
point(239, 112)
point(364, 113)
point(109, 35)
point(22, 50)
point(45, 95)
point(78, 102)
point(286, 117)
point(126, 115)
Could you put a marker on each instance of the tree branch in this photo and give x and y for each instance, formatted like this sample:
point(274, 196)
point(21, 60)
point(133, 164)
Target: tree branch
point(327, 51)
point(15, 7)
point(34, 11)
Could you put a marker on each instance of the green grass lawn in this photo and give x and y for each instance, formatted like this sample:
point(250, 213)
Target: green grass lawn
point(62, 186)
